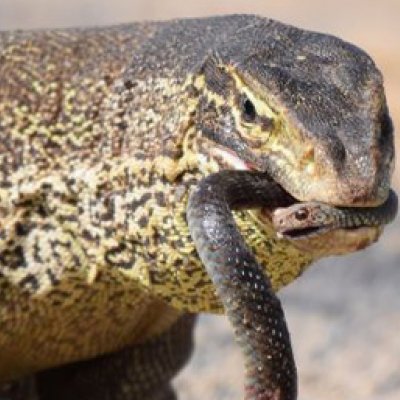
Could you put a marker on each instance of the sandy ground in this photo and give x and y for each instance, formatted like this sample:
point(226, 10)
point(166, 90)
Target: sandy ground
point(344, 313)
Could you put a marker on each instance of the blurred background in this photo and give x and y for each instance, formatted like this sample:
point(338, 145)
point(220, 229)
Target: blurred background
point(344, 313)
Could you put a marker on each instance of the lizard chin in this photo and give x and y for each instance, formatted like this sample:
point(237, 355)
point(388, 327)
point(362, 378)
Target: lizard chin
point(338, 241)
point(318, 241)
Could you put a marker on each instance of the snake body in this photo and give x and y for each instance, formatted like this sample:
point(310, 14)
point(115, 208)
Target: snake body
point(252, 307)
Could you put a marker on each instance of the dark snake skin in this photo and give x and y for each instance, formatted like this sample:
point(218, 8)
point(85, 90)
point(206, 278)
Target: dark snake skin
point(252, 307)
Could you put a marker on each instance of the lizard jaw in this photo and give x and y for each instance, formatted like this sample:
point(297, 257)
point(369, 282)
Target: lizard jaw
point(230, 158)
point(320, 241)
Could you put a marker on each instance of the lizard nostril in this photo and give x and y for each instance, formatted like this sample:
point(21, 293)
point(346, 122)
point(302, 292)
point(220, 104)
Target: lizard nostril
point(386, 129)
point(339, 152)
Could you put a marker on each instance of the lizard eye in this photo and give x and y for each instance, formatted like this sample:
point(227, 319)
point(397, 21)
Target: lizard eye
point(248, 110)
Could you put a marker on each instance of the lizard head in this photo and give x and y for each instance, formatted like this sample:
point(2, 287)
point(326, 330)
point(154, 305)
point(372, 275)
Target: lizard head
point(308, 109)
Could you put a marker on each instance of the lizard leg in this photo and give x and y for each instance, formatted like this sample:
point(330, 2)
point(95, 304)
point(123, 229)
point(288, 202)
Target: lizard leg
point(249, 301)
point(140, 372)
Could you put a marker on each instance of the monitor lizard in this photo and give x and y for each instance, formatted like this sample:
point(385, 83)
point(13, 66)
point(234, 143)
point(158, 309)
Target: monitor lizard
point(155, 170)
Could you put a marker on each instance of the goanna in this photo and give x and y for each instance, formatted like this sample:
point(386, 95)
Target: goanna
point(105, 132)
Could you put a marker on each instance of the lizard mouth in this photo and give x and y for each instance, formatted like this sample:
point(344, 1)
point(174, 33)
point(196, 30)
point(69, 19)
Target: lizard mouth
point(316, 226)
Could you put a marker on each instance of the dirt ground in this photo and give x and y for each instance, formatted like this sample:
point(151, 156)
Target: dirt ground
point(344, 313)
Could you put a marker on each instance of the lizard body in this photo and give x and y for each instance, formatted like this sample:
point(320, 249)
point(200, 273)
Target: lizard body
point(104, 132)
